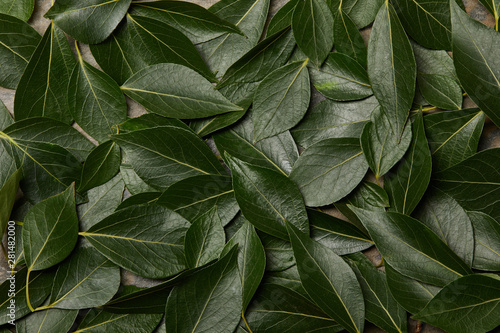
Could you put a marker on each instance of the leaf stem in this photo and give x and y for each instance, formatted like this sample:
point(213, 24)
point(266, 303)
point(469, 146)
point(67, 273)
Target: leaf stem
point(27, 291)
point(245, 320)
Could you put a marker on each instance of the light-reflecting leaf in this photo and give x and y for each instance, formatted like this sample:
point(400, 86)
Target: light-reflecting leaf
point(487, 246)
point(279, 253)
point(440, 90)
point(329, 170)
point(100, 321)
point(89, 22)
point(102, 164)
point(139, 199)
point(47, 321)
point(347, 38)
point(362, 12)
point(21, 9)
point(151, 232)
point(282, 18)
point(8, 191)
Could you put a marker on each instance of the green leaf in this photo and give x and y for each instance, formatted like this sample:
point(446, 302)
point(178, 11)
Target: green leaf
point(176, 91)
point(117, 56)
point(443, 215)
point(89, 22)
point(470, 303)
point(209, 298)
point(267, 198)
point(288, 278)
point(102, 164)
point(330, 119)
point(474, 182)
point(411, 248)
point(428, 22)
point(487, 247)
point(392, 68)
point(164, 155)
point(440, 90)
point(472, 45)
point(407, 183)
point(197, 23)
point(329, 170)
point(194, 196)
point(341, 78)
point(22, 9)
point(411, 294)
point(48, 321)
point(87, 279)
point(8, 193)
point(140, 199)
point(158, 42)
point(102, 202)
point(251, 260)
point(348, 39)
point(338, 235)
point(312, 26)
point(42, 90)
point(381, 148)
point(361, 12)
point(204, 240)
point(279, 253)
point(39, 286)
point(282, 18)
point(100, 321)
point(277, 153)
point(381, 307)
point(50, 231)
point(281, 100)
point(95, 101)
point(18, 42)
point(50, 131)
point(453, 136)
point(133, 182)
point(250, 17)
point(437, 62)
point(329, 281)
point(493, 7)
point(149, 120)
point(277, 308)
point(206, 126)
point(146, 231)
point(5, 117)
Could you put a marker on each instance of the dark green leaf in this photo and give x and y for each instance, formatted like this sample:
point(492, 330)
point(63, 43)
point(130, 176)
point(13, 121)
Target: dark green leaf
point(411, 294)
point(341, 78)
point(151, 232)
point(42, 90)
point(204, 240)
point(440, 91)
point(338, 235)
point(159, 42)
point(469, 304)
point(87, 279)
point(449, 221)
point(89, 22)
point(102, 164)
point(436, 62)
point(162, 156)
point(251, 260)
point(473, 45)
point(282, 18)
point(47, 321)
point(329, 170)
point(362, 12)
point(50, 231)
point(249, 16)
point(5, 117)
point(133, 182)
point(453, 136)
point(206, 126)
point(348, 40)
point(194, 196)
point(277, 153)
point(281, 100)
point(210, 298)
point(176, 91)
point(381, 148)
point(330, 119)
point(95, 101)
point(407, 183)
point(392, 68)
point(411, 248)
point(267, 198)
point(197, 23)
point(102, 202)
point(288, 278)
point(494, 8)
point(149, 120)
point(39, 287)
point(329, 281)
point(381, 308)
point(8, 191)
point(474, 182)
point(21, 9)
point(428, 22)
point(280, 309)
point(100, 321)
point(279, 253)
point(18, 42)
point(139, 199)
point(487, 246)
